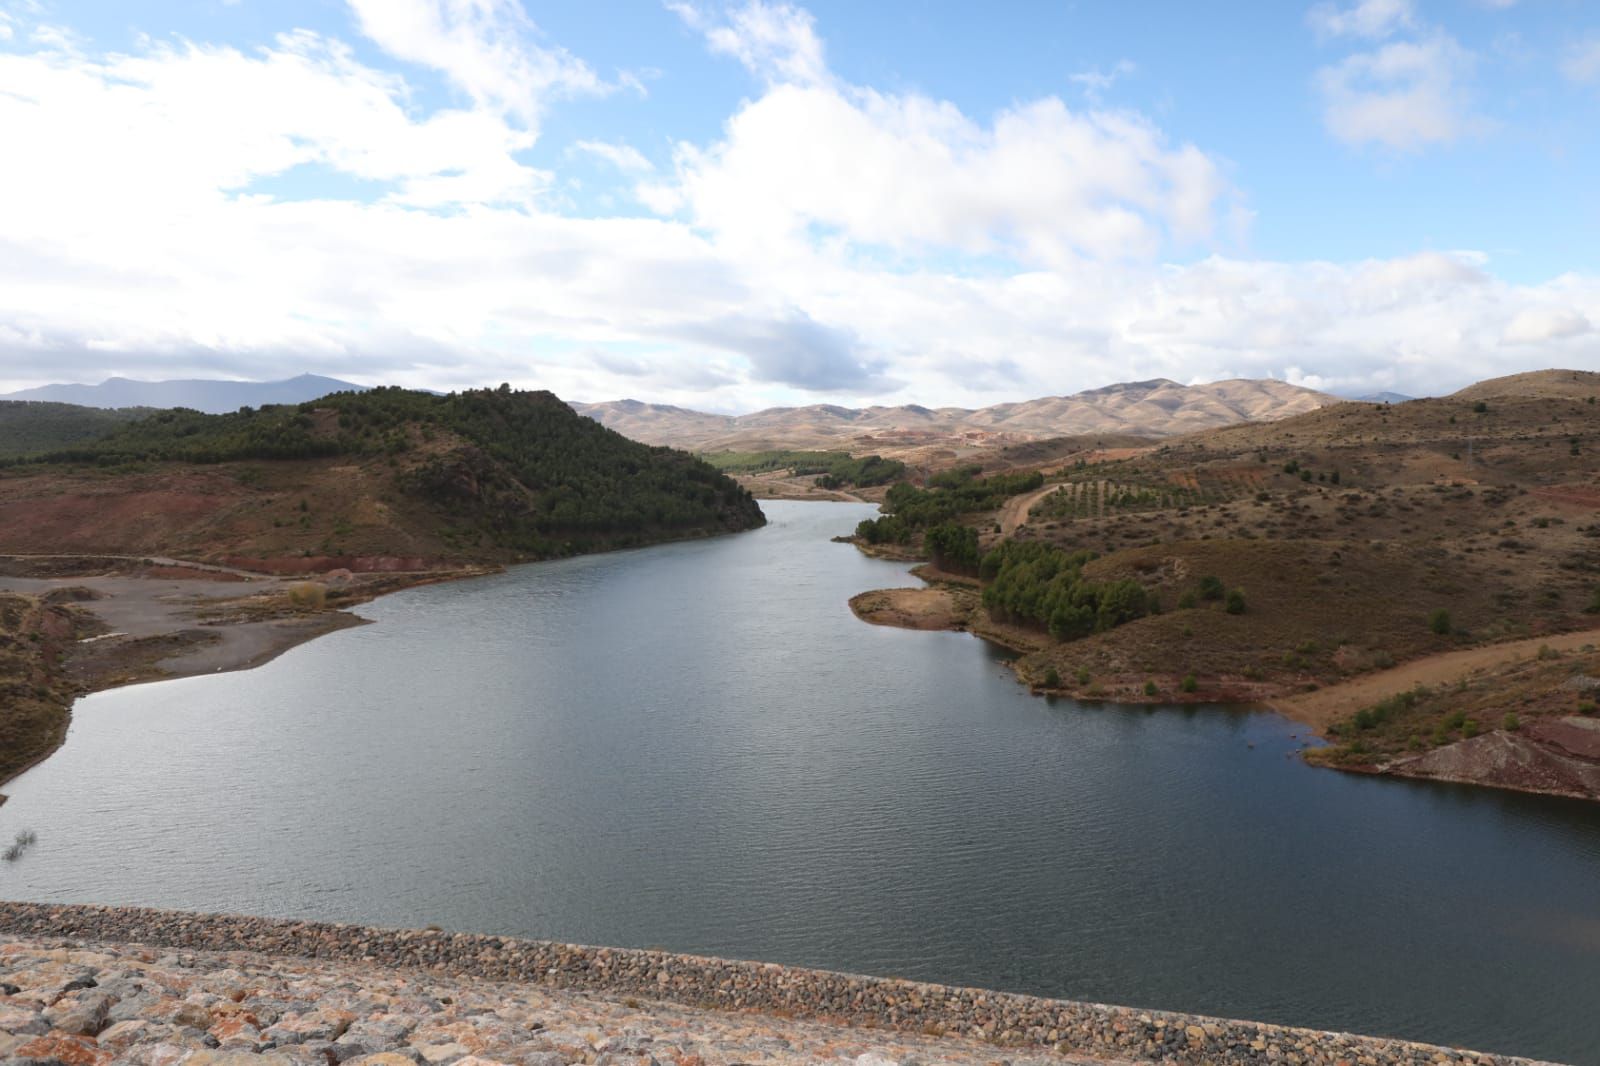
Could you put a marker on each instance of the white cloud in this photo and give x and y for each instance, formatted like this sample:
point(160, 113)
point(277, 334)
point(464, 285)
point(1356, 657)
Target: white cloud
point(909, 173)
point(624, 157)
point(1581, 64)
point(1096, 83)
point(777, 42)
point(484, 47)
point(1403, 95)
point(1365, 18)
point(139, 236)
point(1538, 324)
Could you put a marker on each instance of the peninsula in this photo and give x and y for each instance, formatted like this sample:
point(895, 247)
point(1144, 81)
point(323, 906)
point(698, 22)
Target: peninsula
point(1417, 582)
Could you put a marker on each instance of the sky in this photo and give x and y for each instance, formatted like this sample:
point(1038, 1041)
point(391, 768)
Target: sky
point(736, 206)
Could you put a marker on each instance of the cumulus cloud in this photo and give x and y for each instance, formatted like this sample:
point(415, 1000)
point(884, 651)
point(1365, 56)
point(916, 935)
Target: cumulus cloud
point(909, 173)
point(1366, 18)
point(1538, 324)
point(149, 235)
point(1404, 95)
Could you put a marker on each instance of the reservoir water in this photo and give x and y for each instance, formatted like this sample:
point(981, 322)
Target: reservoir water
point(698, 747)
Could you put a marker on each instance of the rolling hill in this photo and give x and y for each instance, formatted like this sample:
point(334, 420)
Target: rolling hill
point(486, 476)
point(1328, 563)
point(1156, 408)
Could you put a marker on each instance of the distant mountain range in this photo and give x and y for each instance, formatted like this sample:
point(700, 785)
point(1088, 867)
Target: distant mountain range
point(212, 397)
point(1156, 408)
point(1383, 397)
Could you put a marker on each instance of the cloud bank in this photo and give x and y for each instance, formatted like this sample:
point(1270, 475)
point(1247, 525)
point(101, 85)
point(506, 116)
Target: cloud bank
point(833, 241)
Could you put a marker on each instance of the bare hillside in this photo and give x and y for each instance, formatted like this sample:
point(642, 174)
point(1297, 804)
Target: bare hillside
point(1156, 408)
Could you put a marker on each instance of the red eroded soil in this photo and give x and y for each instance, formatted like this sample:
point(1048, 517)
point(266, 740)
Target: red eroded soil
point(1572, 738)
point(189, 573)
point(317, 564)
point(1576, 495)
point(119, 516)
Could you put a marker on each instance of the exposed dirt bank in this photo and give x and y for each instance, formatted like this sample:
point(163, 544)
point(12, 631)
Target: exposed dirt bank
point(1325, 706)
point(313, 993)
point(925, 608)
point(1551, 754)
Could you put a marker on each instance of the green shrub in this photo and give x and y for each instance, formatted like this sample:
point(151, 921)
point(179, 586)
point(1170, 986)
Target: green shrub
point(1480, 408)
point(1083, 675)
point(1235, 602)
point(1211, 587)
point(1150, 688)
point(1052, 679)
point(1586, 706)
point(1190, 683)
point(1439, 622)
point(1511, 723)
point(1189, 601)
point(1469, 728)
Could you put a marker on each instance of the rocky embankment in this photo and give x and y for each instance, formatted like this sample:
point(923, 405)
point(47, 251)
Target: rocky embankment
point(93, 986)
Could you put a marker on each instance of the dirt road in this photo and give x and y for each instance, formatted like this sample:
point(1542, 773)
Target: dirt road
point(1015, 512)
point(1319, 709)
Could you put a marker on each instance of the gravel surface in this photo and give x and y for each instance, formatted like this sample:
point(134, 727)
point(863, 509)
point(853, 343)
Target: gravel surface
point(88, 986)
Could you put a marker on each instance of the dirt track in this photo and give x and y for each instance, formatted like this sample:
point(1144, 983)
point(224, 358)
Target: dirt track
point(1014, 514)
point(1321, 708)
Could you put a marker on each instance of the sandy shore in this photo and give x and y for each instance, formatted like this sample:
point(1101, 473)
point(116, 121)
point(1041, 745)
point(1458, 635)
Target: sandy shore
point(173, 622)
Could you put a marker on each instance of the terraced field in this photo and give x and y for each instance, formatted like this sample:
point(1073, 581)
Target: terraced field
point(1099, 497)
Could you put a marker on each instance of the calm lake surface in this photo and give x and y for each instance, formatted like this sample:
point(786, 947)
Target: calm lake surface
point(698, 747)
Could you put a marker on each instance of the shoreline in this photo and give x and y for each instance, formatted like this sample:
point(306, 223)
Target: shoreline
point(158, 627)
point(948, 603)
point(747, 990)
point(170, 639)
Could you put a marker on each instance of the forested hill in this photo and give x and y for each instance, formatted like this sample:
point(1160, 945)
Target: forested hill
point(35, 426)
point(486, 472)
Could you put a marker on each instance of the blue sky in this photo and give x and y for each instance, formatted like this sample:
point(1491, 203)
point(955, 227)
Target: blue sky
point(736, 205)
